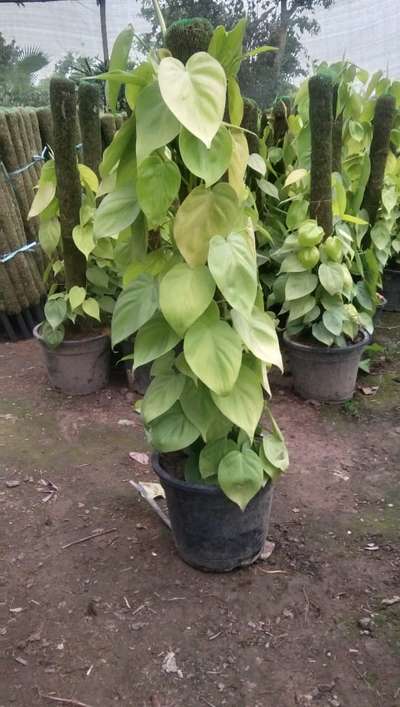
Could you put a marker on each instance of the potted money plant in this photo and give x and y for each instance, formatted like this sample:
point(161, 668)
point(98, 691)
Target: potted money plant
point(175, 181)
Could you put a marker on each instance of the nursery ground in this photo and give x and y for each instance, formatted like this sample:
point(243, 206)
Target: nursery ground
point(316, 624)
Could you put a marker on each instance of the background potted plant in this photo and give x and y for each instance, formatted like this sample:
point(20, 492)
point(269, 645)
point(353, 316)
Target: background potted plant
point(73, 336)
point(329, 277)
point(193, 300)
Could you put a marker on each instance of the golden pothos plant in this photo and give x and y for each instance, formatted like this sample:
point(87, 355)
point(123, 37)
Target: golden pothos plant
point(174, 185)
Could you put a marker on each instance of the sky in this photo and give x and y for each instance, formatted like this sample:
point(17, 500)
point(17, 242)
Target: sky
point(365, 31)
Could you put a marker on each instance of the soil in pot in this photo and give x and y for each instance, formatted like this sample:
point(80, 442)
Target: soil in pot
point(210, 532)
point(326, 374)
point(79, 365)
point(391, 288)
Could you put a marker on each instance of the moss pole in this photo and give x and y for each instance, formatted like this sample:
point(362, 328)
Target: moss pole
point(337, 131)
point(107, 129)
point(250, 122)
point(63, 108)
point(89, 120)
point(385, 111)
point(321, 102)
point(45, 121)
point(188, 36)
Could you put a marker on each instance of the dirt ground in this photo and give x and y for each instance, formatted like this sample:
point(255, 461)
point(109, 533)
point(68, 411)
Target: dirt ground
point(93, 623)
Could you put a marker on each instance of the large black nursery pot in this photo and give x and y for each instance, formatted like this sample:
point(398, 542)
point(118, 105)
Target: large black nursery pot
point(391, 289)
point(322, 373)
point(77, 366)
point(210, 532)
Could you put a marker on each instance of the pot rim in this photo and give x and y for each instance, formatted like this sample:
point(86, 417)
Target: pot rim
point(395, 271)
point(209, 490)
point(329, 351)
point(67, 342)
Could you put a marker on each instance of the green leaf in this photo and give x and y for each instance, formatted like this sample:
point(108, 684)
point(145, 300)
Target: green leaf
point(356, 130)
point(292, 264)
point(123, 141)
point(275, 451)
point(240, 475)
point(235, 102)
point(257, 163)
point(299, 307)
point(156, 125)
point(238, 163)
point(244, 404)
point(339, 198)
point(295, 176)
point(138, 79)
point(211, 455)
point(195, 93)
point(91, 307)
point(354, 219)
point(76, 296)
point(199, 408)
point(83, 239)
point(172, 431)
point(185, 294)
point(118, 61)
point(300, 284)
point(297, 213)
point(153, 340)
point(88, 177)
point(134, 307)
point(43, 197)
point(52, 337)
point(157, 186)
point(321, 333)
point(182, 365)
point(97, 277)
point(208, 164)
point(331, 277)
point(214, 353)
point(268, 188)
point(116, 212)
point(161, 395)
point(333, 320)
point(258, 333)
point(226, 47)
point(232, 264)
point(204, 214)
point(380, 235)
point(55, 311)
point(49, 235)
point(163, 364)
point(107, 304)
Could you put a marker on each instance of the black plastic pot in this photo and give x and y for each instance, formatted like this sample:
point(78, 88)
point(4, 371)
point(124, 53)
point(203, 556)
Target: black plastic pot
point(323, 373)
point(391, 289)
point(79, 366)
point(210, 532)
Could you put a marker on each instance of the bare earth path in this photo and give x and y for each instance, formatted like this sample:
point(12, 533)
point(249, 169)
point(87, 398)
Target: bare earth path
point(92, 623)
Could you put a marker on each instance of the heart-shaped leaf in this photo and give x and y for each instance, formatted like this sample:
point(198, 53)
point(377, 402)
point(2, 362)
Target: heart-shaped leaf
point(240, 475)
point(157, 177)
point(232, 263)
point(185, 294)
point(208, 164)
point(195, 93)
point(244, 404)
point(258, 334)
point(134, 307)
point(204, 214)
point(156, 126)
point(161, 395)
point(213, 351)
